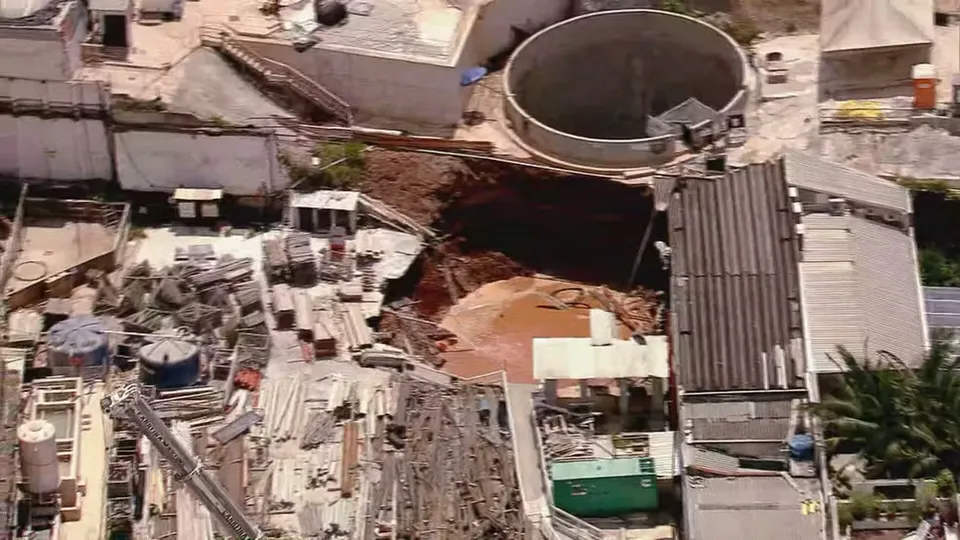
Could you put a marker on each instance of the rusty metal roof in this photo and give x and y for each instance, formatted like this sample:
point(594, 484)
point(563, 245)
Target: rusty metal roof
point(734, 290)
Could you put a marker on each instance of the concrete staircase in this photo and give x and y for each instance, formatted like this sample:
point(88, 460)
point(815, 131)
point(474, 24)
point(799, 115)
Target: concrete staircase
point(277, 73)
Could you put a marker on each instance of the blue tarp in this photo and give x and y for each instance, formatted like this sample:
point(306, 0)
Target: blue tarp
point(472, 75)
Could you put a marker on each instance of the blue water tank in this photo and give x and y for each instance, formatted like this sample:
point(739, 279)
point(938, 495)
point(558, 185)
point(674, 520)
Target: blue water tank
point(801, 447)
point(78, 341)
point(170, 362)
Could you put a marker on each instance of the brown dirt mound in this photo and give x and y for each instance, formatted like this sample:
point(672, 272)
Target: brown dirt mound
point(424, 185)
point(418, 185)
point(447, 276)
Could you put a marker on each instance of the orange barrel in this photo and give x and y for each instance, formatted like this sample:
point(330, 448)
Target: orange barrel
point(924, 86)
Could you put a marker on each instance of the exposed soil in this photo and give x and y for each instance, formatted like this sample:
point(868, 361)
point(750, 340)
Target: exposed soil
point(781, 16)
point(495, 325)
point(502, 221)
point(771, 17)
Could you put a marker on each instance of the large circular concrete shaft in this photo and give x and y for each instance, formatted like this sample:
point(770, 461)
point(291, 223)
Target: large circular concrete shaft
point(587, 91)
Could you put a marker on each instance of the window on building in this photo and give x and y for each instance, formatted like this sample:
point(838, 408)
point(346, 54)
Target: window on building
point(187, 209)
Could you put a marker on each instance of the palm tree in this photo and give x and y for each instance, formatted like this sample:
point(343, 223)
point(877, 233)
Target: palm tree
point(903, 423)
point(869, 413)
point(934, 395)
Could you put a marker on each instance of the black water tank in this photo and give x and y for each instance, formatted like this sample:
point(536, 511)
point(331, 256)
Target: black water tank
point(330, 12)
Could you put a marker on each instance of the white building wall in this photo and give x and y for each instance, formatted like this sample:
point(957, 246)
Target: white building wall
point(49, 53)
point(86, 95)
point(42, 59)
point(54, 148)
point(162, 161)
point(378, 86)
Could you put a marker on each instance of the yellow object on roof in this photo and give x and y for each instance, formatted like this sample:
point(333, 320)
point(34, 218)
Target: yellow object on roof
point(861, 110)
point(197, 194)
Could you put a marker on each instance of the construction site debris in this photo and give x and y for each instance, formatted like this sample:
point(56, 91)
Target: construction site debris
point(275, 262)
point(318, 430)
point(381, 211)
point(302, 261)
point(283, 306)
point(324, 339)
point(193, 404)
point(237, 427)
point(303, 310)
point(356, 331)
point(349, 458)
point(451, 448)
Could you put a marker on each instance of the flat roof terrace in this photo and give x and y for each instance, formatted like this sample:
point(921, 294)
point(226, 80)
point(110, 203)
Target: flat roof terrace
point(54, 241)
point(421, 30)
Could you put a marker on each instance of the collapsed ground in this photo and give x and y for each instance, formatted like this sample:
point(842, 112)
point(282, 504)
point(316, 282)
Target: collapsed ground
point(558, 239)
point(499, 221)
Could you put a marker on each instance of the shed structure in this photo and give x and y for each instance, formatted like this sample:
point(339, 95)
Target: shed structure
point(605, 487)
point(322, 211)
point(602, 356)
point(112, 20)
point(859, 36)
point(198, 203)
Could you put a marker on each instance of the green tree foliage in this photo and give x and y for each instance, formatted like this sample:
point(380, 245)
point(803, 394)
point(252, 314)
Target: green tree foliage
point(336, 166)
point(675, 6)
point(939, 270)
point(946, 484)
point(903, 423)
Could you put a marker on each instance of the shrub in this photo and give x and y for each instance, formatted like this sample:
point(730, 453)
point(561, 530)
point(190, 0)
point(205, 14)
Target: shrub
point(946, 484)
point(927, 498)
point(675, 6)
point(863, 505)
point(844, 516)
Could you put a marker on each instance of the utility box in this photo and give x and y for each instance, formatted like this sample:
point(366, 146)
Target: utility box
point(605, 487)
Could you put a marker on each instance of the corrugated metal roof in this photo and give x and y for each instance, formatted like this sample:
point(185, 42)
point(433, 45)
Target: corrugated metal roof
point(735, 292)
point(326, 200)
point(741, 420)
point(197, 194)
point(736, 508)
point(598, 468)
point(709, 461)
point(663, 450)
point(853, 25)
point(836, 180)
point(738, 410)
point(860, 289)
point(578, 359)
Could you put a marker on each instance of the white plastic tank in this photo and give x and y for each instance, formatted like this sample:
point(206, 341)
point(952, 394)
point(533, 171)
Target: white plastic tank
point(38, 456)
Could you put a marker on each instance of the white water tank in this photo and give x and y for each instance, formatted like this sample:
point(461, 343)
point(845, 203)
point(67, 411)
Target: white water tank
point(38, 456)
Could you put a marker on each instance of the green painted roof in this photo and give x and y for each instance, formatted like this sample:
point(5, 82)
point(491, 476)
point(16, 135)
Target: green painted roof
point(601, 468)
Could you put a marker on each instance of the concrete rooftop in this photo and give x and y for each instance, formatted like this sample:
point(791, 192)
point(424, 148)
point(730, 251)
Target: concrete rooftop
point(429, 29)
